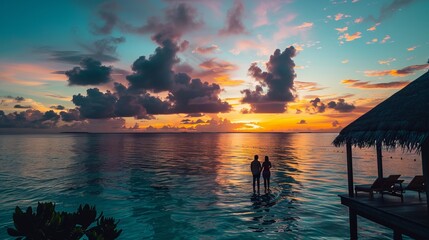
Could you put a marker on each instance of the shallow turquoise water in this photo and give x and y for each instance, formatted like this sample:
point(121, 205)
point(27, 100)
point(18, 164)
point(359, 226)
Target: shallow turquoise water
point(193, 186)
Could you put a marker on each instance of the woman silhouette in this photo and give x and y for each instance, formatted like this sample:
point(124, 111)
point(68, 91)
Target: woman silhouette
point(266, 174)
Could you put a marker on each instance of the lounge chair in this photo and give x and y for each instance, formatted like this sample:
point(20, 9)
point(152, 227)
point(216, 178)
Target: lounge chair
point(417, 184)
point(383, 186)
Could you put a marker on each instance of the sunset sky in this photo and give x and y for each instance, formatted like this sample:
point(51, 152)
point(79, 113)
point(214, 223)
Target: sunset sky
point(200, 65)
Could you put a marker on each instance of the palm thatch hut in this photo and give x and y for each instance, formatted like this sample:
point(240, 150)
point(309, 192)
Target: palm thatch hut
point(401, 120)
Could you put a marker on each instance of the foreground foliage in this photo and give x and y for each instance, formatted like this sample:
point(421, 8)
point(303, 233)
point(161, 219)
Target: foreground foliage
point(46, 223)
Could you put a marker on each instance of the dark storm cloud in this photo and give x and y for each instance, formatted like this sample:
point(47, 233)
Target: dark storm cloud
point(194, 96)
point(178, 19)
point(19, 99)
point(318, 105)
point(103, 50)
point(96, 104)
point(278, 79)
point(341, 106)
point(70, 115)
point(90, 72)
point(335, 123)
point(192, 115)
point(58, 107)
point(234, 22)
point(21, 106)
point(28, 119)
point(189, 121)
point(155, 72)
point(388, 10)
point(107, 13)
point(129, 106)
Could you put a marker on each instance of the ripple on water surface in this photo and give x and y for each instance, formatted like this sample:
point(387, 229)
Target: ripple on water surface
point(189, 186)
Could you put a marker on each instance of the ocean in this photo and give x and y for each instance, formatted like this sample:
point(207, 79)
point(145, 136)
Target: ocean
point(194, 185)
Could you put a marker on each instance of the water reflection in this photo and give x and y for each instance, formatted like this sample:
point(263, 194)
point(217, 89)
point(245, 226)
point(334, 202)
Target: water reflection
point(192, 185)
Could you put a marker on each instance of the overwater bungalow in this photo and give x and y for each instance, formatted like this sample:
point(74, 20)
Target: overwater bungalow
point(400, 121)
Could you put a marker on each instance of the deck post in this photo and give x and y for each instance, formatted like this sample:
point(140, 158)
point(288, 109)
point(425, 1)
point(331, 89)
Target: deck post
point(425, 166)
point(353, 224)
point(379, 160)
point(397, 235)
point(349, 168)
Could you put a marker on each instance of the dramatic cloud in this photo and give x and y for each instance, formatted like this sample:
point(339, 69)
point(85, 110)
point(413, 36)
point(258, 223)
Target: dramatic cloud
point(96, 104)
point(71, 115)
point(397, 73)
point(194, 96)
point(234, 23)
point(218, 71)
point(206, 50)
point(155, 73)
point(389, 10)
point(367, 85)
point(28, 119)
point(90, 72)
point(58, 107)
point(178, 19)
point(107, 13)
point(318, 105)
point(103, 50)
point(278, 79)
point(341, 106)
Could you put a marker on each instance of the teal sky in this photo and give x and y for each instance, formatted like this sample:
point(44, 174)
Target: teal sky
point(361, 51)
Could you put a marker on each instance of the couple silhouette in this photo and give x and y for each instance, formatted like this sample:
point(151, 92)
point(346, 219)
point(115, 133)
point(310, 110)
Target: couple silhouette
point(257, 169)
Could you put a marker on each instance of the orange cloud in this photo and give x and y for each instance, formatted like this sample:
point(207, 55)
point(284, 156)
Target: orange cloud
point(341, 30)
point(367, 85)
point(305, 25)
point(397, 73)
point(387, 37)
point(350, 38)
point(28, 74)
point(387, 61)
point(340, 16)
point(359, 20)
point(373, 28)
point(411, 48)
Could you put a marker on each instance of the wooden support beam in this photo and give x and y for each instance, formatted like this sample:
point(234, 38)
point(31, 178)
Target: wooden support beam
point(397, 235)
point(379, 160)
point(353, 224)
point(350, 168)
point(425, 166)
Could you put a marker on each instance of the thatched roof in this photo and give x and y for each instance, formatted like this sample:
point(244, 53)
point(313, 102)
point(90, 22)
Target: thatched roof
point(401, 119)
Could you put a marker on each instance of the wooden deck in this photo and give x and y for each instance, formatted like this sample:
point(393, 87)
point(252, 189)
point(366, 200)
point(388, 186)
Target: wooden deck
point(410, 217)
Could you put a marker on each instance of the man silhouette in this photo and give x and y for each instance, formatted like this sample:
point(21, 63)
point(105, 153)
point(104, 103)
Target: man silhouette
point(255, 167)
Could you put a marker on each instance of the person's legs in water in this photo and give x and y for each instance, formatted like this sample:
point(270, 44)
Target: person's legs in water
point(265, 184)
point(254, 181)
point(257, 179)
